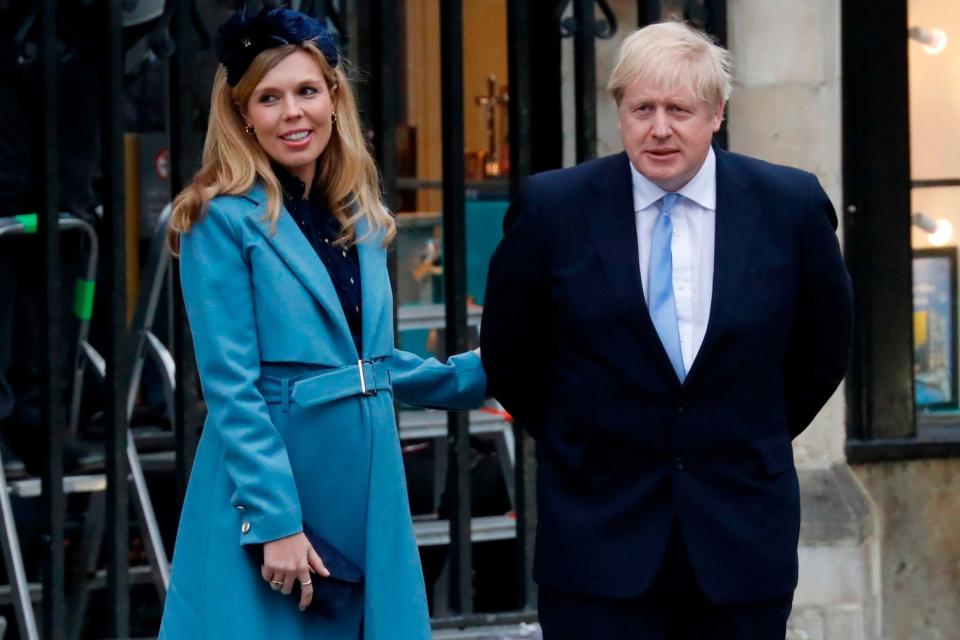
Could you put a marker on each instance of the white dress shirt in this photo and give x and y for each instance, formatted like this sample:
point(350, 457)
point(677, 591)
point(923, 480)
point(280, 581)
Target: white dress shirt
point(692, 248)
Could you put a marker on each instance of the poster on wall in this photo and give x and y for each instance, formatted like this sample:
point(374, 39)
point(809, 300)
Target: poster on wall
point(935, 328)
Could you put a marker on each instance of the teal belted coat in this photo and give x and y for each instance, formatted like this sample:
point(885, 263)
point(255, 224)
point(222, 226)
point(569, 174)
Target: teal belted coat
point(294, 436)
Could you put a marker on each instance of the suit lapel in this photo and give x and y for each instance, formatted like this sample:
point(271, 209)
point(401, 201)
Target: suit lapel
point(738, 211)
point(612, 223)
point(295, 251)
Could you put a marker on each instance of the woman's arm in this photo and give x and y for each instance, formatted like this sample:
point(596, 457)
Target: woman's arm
point(426, 382)
point(218, 294)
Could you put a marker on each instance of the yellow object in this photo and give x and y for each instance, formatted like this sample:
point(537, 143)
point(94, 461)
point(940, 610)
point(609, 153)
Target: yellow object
point(919, 328)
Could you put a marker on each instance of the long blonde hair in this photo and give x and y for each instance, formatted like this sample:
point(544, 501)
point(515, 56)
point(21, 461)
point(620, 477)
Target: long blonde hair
point(234, 161)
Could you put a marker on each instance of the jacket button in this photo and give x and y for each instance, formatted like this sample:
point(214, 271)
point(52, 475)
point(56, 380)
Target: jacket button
point(679, 462)
point(245, 527)
point(680, 409)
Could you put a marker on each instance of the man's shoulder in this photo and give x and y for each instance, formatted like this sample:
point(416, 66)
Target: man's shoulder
point(766, 174)
point(789, 188)
point(576, 178)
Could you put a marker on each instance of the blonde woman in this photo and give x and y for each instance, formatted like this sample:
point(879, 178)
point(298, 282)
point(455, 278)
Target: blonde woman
point(298, 475)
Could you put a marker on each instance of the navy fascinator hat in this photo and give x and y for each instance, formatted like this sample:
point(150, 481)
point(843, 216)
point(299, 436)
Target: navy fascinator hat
point(242, 38)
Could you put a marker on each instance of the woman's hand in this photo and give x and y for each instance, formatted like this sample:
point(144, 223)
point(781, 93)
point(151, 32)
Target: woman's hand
point(289, 559)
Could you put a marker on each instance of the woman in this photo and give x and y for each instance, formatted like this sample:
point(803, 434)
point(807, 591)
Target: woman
point(282, 239)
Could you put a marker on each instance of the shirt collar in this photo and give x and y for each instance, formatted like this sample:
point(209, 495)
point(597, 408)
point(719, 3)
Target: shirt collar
point(702, 188)
point(293, 187)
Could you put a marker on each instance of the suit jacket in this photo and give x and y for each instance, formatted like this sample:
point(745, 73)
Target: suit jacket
point(625, 449)
point(290, 437)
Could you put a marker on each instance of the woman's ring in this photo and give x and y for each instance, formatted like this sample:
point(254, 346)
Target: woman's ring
point(307, 583)
point(279, 583)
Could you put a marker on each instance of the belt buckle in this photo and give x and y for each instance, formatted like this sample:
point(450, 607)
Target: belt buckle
point(364, 390)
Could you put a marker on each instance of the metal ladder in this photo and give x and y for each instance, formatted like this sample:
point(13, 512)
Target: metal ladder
point(487, 423)
point(142, 342)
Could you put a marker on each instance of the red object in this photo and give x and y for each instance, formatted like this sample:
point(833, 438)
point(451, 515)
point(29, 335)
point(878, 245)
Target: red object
point(498, 412)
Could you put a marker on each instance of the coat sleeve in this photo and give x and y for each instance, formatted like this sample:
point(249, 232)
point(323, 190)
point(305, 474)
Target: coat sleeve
point(514, 336)
point(820, 345)
point(426, 382)
point(218, 295)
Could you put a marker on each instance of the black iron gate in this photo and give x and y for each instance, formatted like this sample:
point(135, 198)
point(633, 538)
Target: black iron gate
point(372, 39)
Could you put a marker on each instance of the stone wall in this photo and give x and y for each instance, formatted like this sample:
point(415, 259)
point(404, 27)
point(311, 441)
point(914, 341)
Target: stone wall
point(786, 108)
point(919, 503)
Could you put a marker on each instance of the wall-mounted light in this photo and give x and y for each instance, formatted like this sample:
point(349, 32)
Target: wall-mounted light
point(933, 40)
point(942, 235)
point(939, 231)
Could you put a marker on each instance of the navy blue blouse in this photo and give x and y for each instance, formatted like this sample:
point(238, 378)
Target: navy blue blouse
point(322, 229)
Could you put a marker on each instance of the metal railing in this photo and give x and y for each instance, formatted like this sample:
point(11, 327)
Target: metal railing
point(370, 34)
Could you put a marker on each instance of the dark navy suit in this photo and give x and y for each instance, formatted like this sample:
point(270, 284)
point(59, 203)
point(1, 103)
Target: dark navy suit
point(628, 455)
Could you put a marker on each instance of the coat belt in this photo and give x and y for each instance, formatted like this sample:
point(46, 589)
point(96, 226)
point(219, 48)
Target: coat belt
point(365, 378)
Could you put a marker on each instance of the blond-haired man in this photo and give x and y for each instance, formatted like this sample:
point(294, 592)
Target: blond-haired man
point(665, 321)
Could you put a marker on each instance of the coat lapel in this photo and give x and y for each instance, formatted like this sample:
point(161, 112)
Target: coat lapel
point(612, 222)
point(738, 211)
point(295, 251)
point(374, 283)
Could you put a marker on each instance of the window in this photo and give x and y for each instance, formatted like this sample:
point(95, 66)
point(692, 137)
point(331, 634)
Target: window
point(902, 203)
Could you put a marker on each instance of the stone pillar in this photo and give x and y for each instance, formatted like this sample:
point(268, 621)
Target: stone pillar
point(786, 108)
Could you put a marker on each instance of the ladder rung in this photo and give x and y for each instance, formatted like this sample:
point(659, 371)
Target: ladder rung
point(32, 488)
point(483, 529)
point(431, 316)
point(521, 631)
point(416, 425)
point(138, 575)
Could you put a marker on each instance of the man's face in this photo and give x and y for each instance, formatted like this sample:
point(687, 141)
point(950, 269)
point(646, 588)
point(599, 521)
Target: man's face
point(667, 133)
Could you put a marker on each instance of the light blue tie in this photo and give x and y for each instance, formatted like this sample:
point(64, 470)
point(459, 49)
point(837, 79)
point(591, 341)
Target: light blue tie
point(663, 306)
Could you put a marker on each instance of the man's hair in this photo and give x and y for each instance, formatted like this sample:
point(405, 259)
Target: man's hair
point(671, 54)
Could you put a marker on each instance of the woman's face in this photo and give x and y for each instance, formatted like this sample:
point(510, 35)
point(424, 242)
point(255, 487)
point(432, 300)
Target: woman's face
point(290, 111)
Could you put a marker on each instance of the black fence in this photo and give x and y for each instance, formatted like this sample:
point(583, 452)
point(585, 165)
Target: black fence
point(534, 34)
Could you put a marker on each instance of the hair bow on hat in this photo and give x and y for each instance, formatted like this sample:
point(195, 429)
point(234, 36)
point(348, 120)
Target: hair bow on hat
point(242, 38)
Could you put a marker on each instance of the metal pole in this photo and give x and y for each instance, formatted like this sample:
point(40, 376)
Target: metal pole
point(186, 418)
point(519, 35)
point(54, 506)
point(585, 79)
point(387, 91)
point(381, 46)
point(716, 25)
point(648, 12)
point(115, 352)
point(455, 286)
point(519, 59)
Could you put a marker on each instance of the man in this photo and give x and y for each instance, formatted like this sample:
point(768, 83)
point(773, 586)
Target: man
point(664, 321)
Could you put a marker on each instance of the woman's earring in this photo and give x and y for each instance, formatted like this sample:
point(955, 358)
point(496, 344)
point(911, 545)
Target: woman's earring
point(248, 129)
point(333, 118)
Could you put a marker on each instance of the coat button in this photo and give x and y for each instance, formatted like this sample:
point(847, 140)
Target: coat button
point(245, 527)
point(679, 462)
point(680, 409)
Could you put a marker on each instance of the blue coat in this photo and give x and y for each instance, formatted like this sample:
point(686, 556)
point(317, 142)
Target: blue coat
point(626, 451)
point(291, 438)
